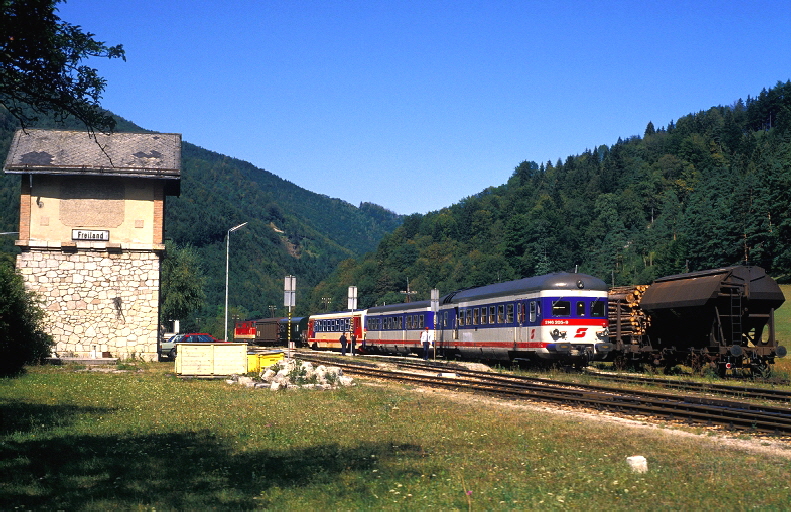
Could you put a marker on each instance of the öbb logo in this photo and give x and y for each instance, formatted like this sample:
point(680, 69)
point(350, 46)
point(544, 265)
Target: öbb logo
point(581, 332)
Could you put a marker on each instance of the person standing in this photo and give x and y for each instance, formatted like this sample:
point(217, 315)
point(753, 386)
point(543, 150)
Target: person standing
point(427, 339)
point(354, 343)
point(342, 339)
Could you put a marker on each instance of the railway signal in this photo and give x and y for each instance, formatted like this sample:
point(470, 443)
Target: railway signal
point(289, 300)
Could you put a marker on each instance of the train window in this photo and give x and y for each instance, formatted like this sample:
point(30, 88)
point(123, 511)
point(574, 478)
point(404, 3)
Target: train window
point(492, 314)
point(400, 322)
point(445, 319)
point(501, 314)
point(597, 308)
point(421, 321)
point(533, 311)
point(509, 313)
point(561, 308)
point(580, 308)
point(476, 316)
point(409, 321)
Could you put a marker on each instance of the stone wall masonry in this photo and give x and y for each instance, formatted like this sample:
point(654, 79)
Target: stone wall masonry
point(97, 301)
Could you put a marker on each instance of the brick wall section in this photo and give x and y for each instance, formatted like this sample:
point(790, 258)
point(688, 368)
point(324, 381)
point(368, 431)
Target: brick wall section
point(80, 292)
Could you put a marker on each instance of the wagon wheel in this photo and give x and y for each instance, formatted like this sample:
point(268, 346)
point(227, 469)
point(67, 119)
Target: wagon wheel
point(619, 362)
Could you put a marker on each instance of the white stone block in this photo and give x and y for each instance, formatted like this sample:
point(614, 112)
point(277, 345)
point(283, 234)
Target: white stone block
point(637, 463)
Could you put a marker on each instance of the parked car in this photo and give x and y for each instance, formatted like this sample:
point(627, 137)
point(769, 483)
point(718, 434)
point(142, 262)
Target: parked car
point(168, 348)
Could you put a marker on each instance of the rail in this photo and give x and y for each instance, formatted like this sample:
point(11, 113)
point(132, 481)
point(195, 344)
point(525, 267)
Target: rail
point(696, 410)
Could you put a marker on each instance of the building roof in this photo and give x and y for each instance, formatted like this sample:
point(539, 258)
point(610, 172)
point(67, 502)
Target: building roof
point(65, 152)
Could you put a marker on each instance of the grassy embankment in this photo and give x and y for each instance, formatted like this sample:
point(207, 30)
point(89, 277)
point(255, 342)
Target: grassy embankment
point(783, 328)
point(76, 440)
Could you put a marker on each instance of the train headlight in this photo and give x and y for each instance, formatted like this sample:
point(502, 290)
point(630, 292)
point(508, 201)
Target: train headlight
point(603, 334)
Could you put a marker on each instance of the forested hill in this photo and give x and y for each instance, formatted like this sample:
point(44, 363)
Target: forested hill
point(712, 189)
point(291, 230)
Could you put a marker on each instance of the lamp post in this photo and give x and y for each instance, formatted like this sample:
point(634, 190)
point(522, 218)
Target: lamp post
point(227, 251)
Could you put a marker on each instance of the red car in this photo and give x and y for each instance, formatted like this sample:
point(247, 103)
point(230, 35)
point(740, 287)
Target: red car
point(168, 348)
point(199, 337)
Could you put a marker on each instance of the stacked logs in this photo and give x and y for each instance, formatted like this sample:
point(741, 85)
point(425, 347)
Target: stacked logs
point(624, 302)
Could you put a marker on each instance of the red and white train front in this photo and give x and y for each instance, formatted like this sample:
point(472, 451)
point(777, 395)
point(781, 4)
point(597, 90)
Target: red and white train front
point(324, 330)
point(556, 317)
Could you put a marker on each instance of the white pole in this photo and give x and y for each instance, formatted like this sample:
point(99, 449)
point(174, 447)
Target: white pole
point(227, 251)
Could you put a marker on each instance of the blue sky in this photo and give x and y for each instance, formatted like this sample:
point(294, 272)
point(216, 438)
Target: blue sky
point(415, 105)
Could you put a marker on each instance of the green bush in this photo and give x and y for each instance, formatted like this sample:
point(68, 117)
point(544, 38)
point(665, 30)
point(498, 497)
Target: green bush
point(22, 339)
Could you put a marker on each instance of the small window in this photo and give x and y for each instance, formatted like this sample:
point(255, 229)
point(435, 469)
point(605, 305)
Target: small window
point(509, 313)
point(501, 314)
point(421, 319)
point(561, 308)
point(476, 316)
point(580, 308)
point(598, 309)
point(445, 319)
point(469, 317)
point(492, 314)
point(533, 309)
point(400, 322)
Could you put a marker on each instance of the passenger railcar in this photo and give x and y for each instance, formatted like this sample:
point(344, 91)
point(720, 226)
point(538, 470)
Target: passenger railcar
point(396, 328)
point(324, 330)
point(560, 317)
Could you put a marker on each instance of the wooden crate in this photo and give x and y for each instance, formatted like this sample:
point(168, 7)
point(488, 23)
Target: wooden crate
point(211, 359)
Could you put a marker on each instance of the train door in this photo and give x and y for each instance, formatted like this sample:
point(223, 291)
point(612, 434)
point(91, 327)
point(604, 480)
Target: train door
point(357, 327)
point(518, 335)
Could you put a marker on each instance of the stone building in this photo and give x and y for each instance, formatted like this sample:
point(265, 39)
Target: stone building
point(91, 234)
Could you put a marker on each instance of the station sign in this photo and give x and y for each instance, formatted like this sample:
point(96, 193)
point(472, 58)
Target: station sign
point(92, 235)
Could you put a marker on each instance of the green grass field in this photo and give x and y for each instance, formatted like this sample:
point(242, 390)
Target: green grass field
point(143, 440)
point(783, 328)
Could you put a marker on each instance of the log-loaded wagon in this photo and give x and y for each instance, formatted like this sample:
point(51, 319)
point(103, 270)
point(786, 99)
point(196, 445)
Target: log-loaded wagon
point(721, 318)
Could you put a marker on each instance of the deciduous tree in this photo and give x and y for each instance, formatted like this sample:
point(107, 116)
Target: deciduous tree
point(41, 66)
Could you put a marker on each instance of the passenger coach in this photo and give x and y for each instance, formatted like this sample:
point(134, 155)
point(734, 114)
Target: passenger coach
point(396, 329)
point(555, 317)
point(324, 330)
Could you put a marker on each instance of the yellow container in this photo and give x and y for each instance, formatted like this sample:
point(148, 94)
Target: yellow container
point(257, 362)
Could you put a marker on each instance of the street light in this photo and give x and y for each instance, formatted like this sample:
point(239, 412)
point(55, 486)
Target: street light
point(227, 250)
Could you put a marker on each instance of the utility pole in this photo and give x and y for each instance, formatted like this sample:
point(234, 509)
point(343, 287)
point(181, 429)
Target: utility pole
point(407, 292)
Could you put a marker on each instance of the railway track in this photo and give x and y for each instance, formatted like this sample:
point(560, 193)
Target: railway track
point(694, 410)
point(778, 395)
